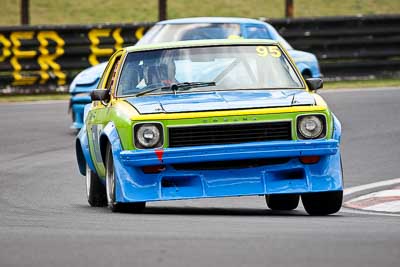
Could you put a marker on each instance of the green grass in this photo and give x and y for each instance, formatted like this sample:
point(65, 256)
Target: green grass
point(363, 84)
point(327, 85)
point(37, 97)
point(99, 11)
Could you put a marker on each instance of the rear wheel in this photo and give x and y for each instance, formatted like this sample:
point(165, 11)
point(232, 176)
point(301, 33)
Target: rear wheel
point(95, 191)
point(322, 203)
point(282, 201)
point(110, 188)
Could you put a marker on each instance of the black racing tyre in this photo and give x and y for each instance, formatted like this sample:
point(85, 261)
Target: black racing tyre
point(282, 201)
point(110, 189)
point(322, 203)
point(95, 191)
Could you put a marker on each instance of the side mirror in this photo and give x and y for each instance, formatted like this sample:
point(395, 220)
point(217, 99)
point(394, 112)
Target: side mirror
point(102, 95)
point(314, 83)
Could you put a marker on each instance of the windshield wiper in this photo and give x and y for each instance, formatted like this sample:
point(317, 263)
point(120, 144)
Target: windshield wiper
point(178, 86)
point(189, 85)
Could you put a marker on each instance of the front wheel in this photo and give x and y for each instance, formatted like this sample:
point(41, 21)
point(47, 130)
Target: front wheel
point(110, 188)
point(322, 203)
point(95, 191)
point(282, 201)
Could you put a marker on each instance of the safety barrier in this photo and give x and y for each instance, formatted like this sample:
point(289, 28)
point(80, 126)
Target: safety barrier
point(52, 55)
point(346, 47)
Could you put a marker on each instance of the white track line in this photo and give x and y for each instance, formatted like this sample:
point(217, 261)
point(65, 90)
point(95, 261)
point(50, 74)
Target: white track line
point(392, 206)
point(365, 212)
point(382, 193)
point(360, 188)
point(355, 189)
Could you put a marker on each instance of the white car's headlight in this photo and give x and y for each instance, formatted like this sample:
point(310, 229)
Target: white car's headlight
point(311, 127)
point(148, 135)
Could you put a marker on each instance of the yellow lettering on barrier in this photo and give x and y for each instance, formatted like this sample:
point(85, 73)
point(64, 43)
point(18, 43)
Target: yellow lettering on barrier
point(119, 41)
point(14, 50)
point(16, 38)
point(94, 37)
point(139, 33)
point(47, 60)
point(19, 79)
point(6, 47)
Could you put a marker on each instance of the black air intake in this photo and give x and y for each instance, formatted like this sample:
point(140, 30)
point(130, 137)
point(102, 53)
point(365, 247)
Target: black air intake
point(229, 133)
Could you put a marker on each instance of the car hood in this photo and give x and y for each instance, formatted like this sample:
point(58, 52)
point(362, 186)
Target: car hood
point(223, 100)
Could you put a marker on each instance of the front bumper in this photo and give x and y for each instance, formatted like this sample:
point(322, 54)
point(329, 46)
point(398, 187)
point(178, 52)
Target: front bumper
point(290, 176)
point(229, 152)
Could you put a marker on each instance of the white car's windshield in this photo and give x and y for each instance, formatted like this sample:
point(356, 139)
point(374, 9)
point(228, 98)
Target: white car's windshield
point(161, 33)
point(220, 67)
point(193, 31)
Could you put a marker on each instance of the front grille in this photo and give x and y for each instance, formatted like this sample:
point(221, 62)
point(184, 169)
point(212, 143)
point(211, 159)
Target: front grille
point(229, 133)
point(230, 164)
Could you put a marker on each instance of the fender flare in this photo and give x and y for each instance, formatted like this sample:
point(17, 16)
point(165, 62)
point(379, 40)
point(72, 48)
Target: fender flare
point(337, 128)
point(82, 152)
point(110, 135)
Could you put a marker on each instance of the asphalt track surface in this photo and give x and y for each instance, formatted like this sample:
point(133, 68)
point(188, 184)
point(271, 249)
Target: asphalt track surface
point(46, 221)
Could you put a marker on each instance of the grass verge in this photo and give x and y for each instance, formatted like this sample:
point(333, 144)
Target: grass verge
point(37, 97)
point(362, 84)
point(100, 11)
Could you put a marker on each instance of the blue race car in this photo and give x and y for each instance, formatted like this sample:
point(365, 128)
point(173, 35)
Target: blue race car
point(191, 29)
point(80, 88)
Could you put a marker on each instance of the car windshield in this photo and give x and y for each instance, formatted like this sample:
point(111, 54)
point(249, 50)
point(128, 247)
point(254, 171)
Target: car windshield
point(243, 67)
point(160, 33)
point(183, 32)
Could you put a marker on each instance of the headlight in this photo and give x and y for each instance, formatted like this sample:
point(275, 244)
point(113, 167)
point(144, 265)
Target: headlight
point(311, 127)
point(148, 135)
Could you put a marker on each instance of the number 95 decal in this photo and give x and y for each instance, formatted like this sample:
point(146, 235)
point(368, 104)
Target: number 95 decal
point(264, 51)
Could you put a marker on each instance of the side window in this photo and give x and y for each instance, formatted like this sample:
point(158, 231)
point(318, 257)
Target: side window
point(113, 74)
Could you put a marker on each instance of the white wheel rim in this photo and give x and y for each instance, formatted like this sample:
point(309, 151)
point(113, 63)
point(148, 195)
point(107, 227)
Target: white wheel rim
point(110, 184)
point(88, 180)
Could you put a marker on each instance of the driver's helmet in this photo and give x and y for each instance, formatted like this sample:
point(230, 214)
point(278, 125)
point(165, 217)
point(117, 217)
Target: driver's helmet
point(159, 72)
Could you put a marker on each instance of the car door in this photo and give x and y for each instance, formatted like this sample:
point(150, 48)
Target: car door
point(97, 118)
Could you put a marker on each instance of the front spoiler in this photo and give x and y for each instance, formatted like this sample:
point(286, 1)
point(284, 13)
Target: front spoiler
point(276, 149)
point(292, 177)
